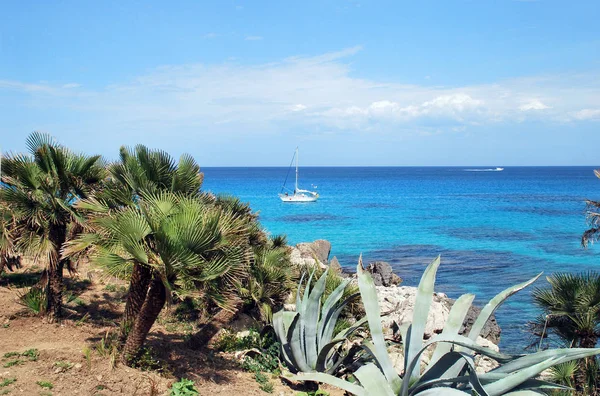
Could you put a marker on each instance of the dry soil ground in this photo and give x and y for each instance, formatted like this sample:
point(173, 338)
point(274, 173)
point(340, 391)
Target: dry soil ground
point(62, 362)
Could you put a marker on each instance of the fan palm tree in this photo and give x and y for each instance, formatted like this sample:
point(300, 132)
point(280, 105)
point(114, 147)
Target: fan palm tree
point(572, 307)
point(271, 278)
point(192, 250)
point(138, 173)
point(593, 215)
point(40, 190)
point(571, 310)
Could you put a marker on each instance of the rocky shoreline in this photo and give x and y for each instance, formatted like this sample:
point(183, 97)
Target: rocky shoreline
point(397, 301)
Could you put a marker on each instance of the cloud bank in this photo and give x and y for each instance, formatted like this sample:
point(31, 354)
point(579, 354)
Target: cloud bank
point(314, 91)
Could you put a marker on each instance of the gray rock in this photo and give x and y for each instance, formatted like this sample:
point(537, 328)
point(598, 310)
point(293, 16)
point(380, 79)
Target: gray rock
point(399, 303)
point(490, 331)
point(309, 254)
point(334, 264)
point(382, 274)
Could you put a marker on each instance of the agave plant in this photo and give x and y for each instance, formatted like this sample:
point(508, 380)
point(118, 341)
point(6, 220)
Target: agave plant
point(451, 370)
point(307, 336)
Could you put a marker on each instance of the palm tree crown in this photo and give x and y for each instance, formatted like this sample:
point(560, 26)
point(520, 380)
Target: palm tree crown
point(40, 190)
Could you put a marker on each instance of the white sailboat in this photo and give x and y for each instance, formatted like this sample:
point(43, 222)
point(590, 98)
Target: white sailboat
point(298, 195)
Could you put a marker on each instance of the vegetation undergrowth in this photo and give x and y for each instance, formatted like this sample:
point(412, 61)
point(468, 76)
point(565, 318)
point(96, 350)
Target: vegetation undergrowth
point(259, 354)
point(184, 387)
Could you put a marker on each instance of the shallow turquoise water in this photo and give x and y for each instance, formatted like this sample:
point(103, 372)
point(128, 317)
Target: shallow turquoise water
point(493, 229)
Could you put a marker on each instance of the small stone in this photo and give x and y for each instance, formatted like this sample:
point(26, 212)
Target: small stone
point(99, 377)
point(78, 366)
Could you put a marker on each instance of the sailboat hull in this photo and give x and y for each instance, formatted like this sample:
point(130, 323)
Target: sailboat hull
point(298, 198)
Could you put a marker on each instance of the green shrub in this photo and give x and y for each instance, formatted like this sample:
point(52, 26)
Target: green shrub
point(184, 387)
point(14, 362)
point(34, 299)
point(45, 384)
point(229, 341)
point(7, 381)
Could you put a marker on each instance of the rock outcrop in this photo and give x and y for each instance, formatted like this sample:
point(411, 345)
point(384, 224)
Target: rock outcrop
point(397, 302)
point(312, 253)
point(397, 306)
point(382, 274)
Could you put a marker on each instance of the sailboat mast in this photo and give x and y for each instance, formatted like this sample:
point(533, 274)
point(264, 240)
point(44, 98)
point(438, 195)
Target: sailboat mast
point(296, 189)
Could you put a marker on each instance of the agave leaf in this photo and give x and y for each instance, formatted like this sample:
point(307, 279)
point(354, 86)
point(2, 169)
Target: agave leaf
point(456, 317)
point(302, 311)
point(293, 338)
point(298, 298)
point(328, 311)
point(443, 392)
point(311, 320)
point(487, 312)
point(511, 381)
point(457, 340)
point(369, 298)
point(494, 303)
point(371, 378)
point(433, 375)
point(333, 317)
point(536, 384)
point(334, 381)
point(326, 349)
point(282, 321)
point(527, 392)
point(347, 332)
point(419, 320)
point(564, 354)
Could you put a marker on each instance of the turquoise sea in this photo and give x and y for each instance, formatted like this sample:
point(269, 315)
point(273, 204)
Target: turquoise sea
point(493, 229)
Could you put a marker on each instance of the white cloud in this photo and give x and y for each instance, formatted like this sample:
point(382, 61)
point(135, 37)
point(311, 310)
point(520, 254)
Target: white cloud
point(297, 107)
point(587, 114)
point(318, 91)
point(534, 104)
point(71, 85)
point(253, 38)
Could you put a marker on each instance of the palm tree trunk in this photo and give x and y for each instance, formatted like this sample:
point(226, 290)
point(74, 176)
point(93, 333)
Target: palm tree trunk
point(585, 364)
point(54, 288)
point(153, 304)
point(217, 322)
point(138, 289)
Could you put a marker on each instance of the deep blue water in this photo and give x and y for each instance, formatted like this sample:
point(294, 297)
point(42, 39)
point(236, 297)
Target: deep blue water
point(493, 229)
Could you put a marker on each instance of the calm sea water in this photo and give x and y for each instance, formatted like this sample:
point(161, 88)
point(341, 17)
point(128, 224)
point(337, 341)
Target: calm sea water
point(493, 229)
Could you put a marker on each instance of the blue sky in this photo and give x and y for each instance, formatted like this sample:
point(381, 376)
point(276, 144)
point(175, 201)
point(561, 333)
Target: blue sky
point(242, 83)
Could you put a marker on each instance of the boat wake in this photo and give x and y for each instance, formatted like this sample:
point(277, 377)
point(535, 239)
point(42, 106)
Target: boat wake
point(485, 170)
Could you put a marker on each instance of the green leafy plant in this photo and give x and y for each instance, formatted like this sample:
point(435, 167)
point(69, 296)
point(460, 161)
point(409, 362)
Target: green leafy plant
point(87, 354)
point(307, 335)
point(45, 384)
point(31, 354)
point(64, 366)
point(34, 299)
point(318, 392)
point(14, 362)
point(7, 381)
point(451, 369)
point(184, 387)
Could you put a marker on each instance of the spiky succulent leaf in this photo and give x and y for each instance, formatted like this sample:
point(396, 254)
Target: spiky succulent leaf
point(369, 298)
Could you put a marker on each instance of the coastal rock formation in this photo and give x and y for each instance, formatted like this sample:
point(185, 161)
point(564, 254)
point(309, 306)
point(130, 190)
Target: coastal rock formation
point(335, 265)
point(397, 302)
point(312, 253)
point(382, 274)
point(397, 306)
